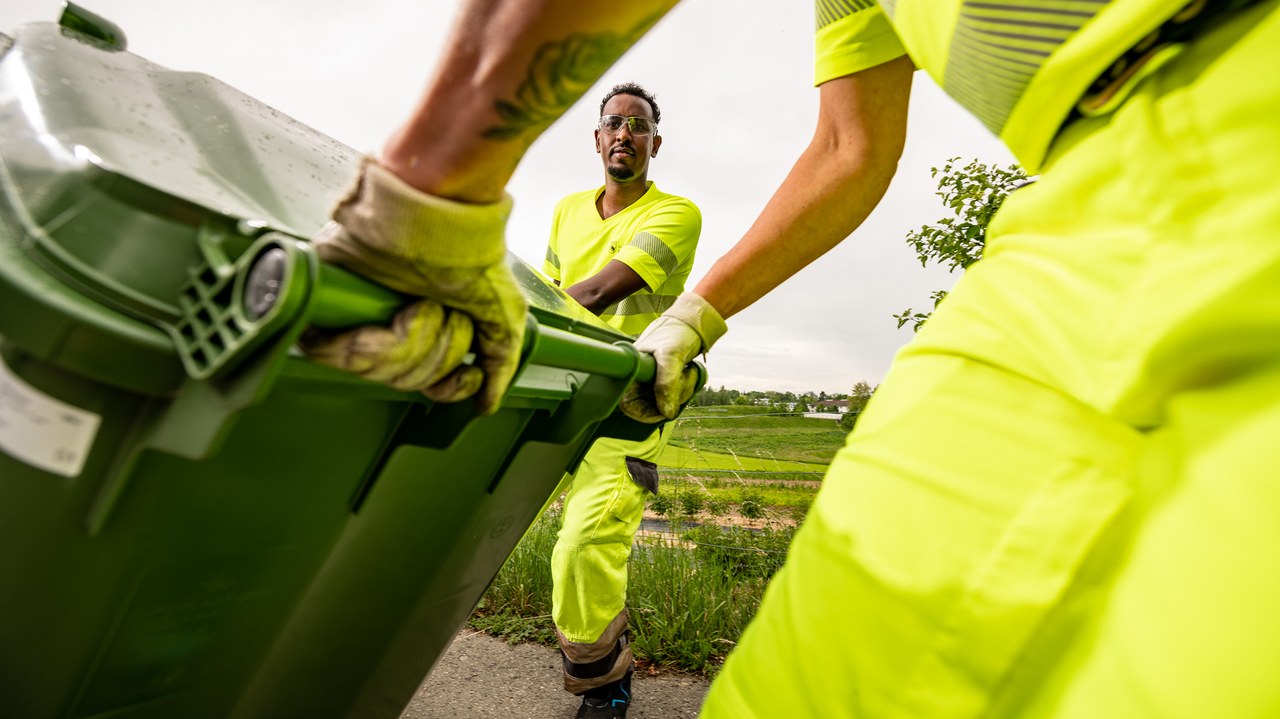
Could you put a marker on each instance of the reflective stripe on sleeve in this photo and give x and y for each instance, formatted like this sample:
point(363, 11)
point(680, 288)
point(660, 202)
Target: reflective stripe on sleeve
point(654, 247)
point(640, 304)
point(829, 11)
point(999, 45)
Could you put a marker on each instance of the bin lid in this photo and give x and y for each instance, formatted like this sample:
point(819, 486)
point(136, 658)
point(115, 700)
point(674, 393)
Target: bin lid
point(113, 166)
point(73, 105)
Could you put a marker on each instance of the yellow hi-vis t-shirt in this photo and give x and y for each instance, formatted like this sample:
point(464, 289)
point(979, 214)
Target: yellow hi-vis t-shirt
point(655, 236)
point(1020, 66)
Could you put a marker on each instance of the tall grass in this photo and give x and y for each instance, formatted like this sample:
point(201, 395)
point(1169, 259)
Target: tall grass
point(689, 598)
point(685, 613)
point(517, 606)
point(692, 594)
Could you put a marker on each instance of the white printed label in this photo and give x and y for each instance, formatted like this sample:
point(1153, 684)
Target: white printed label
point(42, 431)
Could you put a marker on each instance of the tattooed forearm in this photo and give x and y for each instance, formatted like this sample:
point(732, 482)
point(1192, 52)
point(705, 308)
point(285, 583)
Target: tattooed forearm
point(558, 75)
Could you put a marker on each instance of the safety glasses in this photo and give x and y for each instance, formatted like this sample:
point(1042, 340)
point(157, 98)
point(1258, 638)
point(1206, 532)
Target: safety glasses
point(635, 125)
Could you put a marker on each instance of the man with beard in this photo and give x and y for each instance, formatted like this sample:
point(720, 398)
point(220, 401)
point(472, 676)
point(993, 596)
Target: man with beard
point(623, 251)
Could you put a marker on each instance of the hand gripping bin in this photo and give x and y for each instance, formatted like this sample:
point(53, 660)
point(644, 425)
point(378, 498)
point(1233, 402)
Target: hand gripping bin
point(195, 521)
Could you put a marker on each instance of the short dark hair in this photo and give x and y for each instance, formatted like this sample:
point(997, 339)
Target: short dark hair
point(630, 88)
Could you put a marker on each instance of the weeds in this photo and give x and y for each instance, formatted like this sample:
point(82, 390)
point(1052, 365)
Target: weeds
point(739, 552)
point(751, 503)
point(689, 598)
point(691, 501)
point(692, 592)
point(683, 613)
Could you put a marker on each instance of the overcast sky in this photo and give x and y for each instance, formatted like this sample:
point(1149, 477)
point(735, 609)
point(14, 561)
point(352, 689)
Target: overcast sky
point(738, 107)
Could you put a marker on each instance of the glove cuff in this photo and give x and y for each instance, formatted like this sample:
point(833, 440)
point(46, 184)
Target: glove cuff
point(391, 217)
point(696, 312)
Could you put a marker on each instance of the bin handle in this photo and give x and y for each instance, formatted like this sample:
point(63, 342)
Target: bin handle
point(344, 299)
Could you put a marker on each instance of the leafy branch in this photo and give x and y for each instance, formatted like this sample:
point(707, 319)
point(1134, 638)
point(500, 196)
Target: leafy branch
point(972, 193)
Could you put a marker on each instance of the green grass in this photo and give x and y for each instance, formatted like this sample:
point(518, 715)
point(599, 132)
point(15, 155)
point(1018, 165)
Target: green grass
point(685, 612)
point(768, 493)
point(691, 599)
point(676, 457)
point(737, 432)
point(517, 605)
point(689, 602)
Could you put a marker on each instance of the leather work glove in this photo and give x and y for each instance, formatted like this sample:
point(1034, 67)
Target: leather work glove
point(422, 350)
point(683, 332)
point(453, 255)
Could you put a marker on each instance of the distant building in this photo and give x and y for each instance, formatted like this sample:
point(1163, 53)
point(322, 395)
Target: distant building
point(839, 406)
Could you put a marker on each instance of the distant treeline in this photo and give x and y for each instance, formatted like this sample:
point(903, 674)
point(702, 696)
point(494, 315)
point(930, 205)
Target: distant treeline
point(710, 397)
point(789, 401)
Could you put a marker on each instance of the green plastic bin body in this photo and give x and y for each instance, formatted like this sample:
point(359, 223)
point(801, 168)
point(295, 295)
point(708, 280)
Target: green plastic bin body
point(195, 521)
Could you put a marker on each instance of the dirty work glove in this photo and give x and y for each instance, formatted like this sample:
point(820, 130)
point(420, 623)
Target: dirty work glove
point(683, 332)
point(421, 350)
point(452, 254)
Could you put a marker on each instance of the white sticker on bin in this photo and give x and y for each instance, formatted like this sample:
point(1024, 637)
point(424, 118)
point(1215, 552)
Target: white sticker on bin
point(42, 431)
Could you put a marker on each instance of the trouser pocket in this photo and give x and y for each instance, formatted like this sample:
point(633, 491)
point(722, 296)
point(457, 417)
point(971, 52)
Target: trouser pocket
point(644, 473)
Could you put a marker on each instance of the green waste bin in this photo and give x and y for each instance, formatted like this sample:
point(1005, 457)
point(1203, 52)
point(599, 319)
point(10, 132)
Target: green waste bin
point(195, 521)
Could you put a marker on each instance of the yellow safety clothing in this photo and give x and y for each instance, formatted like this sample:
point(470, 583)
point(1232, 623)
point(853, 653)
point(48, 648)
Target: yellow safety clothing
point(655, 236)
point(1019, 66)
point(1061, 502)
point(602, 511)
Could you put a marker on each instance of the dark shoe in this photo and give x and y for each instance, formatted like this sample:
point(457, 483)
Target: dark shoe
point(607, 702)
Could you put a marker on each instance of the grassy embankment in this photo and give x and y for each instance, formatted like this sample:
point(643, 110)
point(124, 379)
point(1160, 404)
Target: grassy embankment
point(692, 590)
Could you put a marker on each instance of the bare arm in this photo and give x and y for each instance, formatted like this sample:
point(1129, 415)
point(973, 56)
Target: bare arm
point(616, 281)
point(832, 188)
point(510, 68)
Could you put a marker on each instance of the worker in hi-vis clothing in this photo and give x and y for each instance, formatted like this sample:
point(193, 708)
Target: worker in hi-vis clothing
point(623, 251)
point(1062, 500)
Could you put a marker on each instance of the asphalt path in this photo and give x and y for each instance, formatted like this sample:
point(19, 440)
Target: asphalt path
point(482, 677)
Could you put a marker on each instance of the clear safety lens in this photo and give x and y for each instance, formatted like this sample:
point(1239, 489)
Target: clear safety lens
point(636, 125)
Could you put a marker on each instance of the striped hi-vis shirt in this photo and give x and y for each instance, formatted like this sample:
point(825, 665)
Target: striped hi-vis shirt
point(1019, 66)
point(656, 237)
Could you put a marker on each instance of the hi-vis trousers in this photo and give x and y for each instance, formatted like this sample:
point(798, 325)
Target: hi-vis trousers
point(602, 512)
point(1064, 499)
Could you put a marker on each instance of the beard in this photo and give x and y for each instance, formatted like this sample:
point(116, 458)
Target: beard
point(620, 172)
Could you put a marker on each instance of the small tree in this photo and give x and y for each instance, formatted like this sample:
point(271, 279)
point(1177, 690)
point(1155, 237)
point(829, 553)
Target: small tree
point(860, 395)
point(972, 193)
point(691, 502)
point(857, 402)
point(751, 504)
point(661, 504)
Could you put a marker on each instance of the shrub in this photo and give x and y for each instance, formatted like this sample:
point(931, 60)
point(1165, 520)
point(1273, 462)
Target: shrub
point(691, 502)
point(661, 504)
point(751, 504)
point(688, 606)
point(739, 552)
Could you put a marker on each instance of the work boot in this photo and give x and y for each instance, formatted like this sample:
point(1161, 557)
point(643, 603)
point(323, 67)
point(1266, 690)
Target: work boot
point(606, 702)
